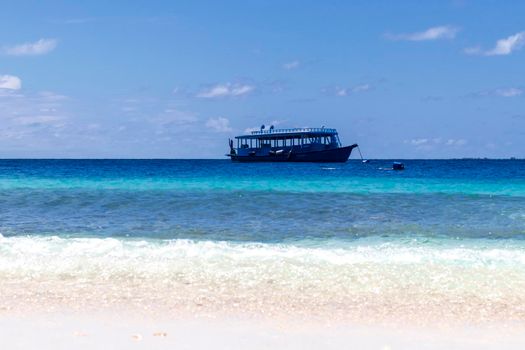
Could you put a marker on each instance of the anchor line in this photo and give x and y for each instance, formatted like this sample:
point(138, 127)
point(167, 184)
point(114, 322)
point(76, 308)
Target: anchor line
point(359, 150)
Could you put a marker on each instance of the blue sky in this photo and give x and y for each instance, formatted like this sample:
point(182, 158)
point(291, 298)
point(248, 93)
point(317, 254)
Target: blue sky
point(175, 79)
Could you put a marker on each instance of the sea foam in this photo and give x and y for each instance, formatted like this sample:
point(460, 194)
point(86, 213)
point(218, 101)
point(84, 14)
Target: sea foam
point(345, 279)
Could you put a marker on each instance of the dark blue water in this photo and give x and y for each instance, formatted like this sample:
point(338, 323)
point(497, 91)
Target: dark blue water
point(469, 169)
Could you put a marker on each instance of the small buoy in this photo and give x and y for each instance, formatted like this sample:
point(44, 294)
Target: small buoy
point(366, 160)
point(398, 166)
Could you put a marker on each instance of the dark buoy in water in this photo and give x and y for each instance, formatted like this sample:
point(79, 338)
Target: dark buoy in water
point(398, 166)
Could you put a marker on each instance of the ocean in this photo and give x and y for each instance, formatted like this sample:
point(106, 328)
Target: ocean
point(443, 239)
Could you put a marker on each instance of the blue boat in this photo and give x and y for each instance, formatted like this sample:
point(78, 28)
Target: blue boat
point(320, 145)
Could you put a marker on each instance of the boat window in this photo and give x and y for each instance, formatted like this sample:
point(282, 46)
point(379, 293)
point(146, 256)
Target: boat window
point(314, 139)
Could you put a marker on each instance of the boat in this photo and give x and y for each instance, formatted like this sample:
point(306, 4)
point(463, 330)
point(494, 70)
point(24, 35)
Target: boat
point(320, 145)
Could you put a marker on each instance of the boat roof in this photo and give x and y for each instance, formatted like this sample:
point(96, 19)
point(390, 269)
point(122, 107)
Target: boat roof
point(294, 132)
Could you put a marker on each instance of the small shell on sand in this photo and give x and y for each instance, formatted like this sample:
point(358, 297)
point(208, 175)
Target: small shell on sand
point(136, 337)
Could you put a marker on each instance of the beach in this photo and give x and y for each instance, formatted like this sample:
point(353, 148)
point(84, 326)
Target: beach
point(164, 254)
point(197, 295)
point(112, 331)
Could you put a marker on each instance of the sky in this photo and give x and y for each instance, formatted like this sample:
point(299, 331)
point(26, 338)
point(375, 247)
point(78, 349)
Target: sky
point(176, 79)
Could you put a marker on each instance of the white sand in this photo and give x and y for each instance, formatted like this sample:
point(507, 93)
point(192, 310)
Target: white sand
point(110, 331)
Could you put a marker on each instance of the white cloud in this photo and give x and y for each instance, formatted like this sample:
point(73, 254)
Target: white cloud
point(503, 46)
point(219, 124)
point(10, 82)
point(341, 91)
point(509, 92)
point(424, 143)
point(291, 65)
point(216, 91)
point(507, 45)
point(39, 47)
point(434, 33)
point(417, 142)
point(226, 90)
point(346, 91)
point(502, 92)
point(241, 90)
point(458, 142)
point(360, 88)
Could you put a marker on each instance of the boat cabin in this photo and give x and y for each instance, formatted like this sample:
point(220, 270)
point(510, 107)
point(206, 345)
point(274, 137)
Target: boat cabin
point(285, 140)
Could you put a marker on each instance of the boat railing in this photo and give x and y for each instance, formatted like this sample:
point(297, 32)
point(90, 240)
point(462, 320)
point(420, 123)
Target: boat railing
point(294, 130)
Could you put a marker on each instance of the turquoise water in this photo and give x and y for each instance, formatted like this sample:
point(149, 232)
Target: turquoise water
point(223, 201)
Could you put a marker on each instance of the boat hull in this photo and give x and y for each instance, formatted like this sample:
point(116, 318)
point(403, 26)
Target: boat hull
point(335, 155)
